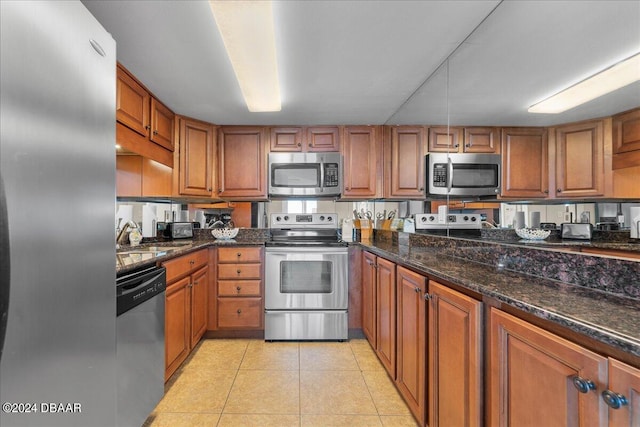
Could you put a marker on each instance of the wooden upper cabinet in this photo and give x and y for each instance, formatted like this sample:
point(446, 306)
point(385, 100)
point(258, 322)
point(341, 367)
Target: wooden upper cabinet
point(144, 125)
point(481, 140)
point(162, 124)
point(534, 377)
point(132, 103)
point(242, 162)
point(626, 139)
point(443, 139)
point(405, 162)
point(579, 160)
point(362, 157)
point(197, 155)
point(286, 139)
point(311, 138)
point(138, 176)
point(455, 374)
point(525, 170)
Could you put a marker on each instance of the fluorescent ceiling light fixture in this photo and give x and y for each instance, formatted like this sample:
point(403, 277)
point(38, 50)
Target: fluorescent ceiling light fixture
point(618, 75)
point(248, 33)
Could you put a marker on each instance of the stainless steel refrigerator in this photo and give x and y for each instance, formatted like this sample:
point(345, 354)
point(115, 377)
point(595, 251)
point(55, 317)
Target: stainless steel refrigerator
point(57, 201)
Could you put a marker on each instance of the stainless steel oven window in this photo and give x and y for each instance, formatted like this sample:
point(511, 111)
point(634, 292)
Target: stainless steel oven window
point(306, 277)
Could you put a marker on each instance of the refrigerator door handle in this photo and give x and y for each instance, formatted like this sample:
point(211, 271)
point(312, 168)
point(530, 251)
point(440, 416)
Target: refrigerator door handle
point(5, 266)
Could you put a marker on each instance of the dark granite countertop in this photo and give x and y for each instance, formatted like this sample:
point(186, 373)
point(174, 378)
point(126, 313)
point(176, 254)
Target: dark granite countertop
point(134, 257)
point(605, 317)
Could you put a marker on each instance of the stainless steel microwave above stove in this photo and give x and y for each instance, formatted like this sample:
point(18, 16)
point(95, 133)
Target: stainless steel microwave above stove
point(463, 174)
point(305, 174)
point(306, 279)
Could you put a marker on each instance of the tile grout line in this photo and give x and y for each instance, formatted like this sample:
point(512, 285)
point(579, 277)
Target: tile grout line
point(233, 383)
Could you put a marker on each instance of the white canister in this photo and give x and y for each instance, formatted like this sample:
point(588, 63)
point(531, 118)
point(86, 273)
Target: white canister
point(347, 230)
point(634, 213)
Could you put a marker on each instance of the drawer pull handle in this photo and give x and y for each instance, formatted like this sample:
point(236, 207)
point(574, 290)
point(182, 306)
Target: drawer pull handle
point(238, 271)
point(239, 254)
point(238, 288)
point(192, 262)
point(239, 311)
point(583, 385)
point(417, 290)
point(614, 400)
point(427, 297)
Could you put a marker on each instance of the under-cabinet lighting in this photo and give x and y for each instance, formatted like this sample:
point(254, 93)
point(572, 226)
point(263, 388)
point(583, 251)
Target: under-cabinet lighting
point(616, 76)
point(248, 34)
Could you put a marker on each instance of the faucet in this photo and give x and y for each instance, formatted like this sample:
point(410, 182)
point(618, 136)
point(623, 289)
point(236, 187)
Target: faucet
point(120, 238)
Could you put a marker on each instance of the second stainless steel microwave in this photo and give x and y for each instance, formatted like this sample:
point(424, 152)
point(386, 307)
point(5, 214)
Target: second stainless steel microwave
point(463, 174)
point(305, 174)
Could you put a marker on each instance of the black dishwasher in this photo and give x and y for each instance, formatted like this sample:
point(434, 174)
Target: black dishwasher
point(139, 343)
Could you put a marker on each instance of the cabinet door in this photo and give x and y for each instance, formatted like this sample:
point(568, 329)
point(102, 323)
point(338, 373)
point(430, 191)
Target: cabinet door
point(455, 358)
point(444, 140)
point(406, 151)
point(162, 128)
point(132, 103)
point(196, 158)
point(525, 170)
point(412, 342)
point(532, 374)
point(369, 297)
point(626, 139)
point(481, 140)
point(286, 139)
point(176, 325)
point(386, 314)
point(323, 138)
point(199, 304)
point(242, 169)
point(362, 154)
point(624, 382)
point(580, 160)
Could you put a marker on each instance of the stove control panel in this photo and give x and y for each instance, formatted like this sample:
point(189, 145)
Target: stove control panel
point(292, 220)
point(458, 221)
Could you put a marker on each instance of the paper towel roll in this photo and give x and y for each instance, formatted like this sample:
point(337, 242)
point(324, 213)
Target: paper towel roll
point(634, 213)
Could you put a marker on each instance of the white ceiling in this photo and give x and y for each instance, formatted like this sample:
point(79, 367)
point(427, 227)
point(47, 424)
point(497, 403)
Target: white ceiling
point(376, 62)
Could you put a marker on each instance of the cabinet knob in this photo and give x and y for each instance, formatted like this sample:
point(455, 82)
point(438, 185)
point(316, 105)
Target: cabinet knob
point(583, 385)
point(416, 290)
point(238, 288)
point(467, 145)
point(209, 189)
point(147, 127)
point(191, 262)
point(347, 188)
point(456, 145)
point(546, 191)
point(299, 145)
point(427, 297)
point(219, 190)
point(421, 189)
point(155, 132)
point(239, 311)
point(614, 400)
point(239, 254)
point(559, 190)
point(238, 271)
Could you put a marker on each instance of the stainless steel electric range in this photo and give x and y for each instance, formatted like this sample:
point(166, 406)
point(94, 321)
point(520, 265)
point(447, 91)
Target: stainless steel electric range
point(306, 279)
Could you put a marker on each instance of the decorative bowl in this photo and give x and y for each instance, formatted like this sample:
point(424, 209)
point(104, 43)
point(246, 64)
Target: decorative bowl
point(532, 233)
point(224, 233)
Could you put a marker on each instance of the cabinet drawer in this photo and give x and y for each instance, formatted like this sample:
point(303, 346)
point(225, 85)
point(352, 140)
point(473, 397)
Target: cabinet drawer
point(239, 271)
point(250, 254)
point(241, 288)
point(185, 264)
point(240, 313)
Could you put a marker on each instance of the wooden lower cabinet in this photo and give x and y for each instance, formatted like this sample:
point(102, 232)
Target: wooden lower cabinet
point(386, 314)
point(532, 377)
point(186, 302)
point(624, 386)
point(239, 289)
point(455, 358)
point(411, 355)
point(369, 309)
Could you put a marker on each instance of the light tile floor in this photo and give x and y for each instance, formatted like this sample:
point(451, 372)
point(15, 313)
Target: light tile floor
point(255, 383)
